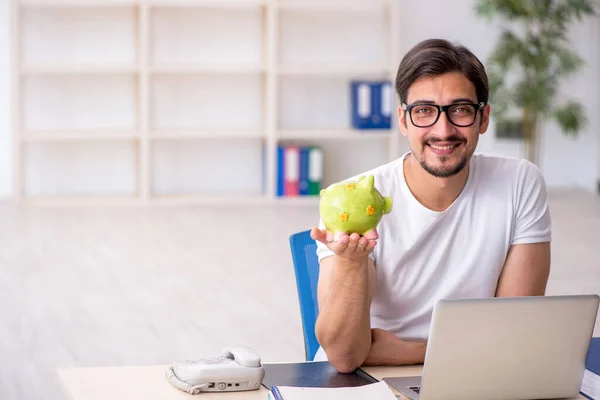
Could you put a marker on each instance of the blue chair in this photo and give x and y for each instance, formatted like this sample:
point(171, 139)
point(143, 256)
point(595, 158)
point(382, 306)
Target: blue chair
point(306, 267)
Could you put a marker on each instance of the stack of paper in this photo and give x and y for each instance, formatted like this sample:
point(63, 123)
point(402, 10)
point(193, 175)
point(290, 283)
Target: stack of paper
point(379, 391)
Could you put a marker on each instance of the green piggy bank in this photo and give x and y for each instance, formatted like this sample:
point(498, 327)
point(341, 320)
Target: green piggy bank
point(353, 207)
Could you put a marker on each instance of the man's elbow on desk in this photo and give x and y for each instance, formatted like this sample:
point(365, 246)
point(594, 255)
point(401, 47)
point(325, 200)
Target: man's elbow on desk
point(345, 363)
point(344, 352)
point(345, 358)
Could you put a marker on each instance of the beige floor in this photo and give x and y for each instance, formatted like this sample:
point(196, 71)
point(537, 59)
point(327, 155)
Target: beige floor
point(143, 286)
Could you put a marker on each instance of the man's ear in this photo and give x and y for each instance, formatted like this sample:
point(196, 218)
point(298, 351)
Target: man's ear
point(402, 121)
point(485, 119)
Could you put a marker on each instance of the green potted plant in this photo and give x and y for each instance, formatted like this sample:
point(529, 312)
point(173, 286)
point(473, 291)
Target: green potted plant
point(528, 64)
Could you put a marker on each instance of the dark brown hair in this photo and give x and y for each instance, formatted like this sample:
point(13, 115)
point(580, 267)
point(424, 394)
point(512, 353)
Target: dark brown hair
point(434, 57)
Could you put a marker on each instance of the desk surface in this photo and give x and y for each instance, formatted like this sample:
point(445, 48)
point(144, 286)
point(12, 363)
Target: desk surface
point(150, 383)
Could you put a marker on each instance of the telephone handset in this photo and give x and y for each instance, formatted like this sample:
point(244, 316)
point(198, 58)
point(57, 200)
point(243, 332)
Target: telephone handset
point(237, 369)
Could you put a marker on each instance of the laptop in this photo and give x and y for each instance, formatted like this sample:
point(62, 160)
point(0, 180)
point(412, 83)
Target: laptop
point(505, 348)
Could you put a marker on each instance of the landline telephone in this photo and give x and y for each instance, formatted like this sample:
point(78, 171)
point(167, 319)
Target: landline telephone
point(237, 369)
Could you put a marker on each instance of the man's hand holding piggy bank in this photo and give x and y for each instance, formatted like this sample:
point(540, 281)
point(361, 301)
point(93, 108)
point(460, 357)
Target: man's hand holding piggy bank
point(351, 211)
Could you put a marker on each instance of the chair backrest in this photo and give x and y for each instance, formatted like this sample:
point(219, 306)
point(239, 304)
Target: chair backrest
point(306, 267)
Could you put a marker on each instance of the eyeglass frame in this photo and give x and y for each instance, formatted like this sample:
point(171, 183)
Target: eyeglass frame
point(442, 109)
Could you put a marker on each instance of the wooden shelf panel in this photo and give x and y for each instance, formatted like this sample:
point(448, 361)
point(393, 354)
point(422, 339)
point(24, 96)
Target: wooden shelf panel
point(178, 200)
point(336, 5)
point(69, 69)
point(77, 3)
point(67, 136)
point(353, 69)
point(89, 201)
point(207, 69)
point(217, 133)
point(337, 134)
point(222, 4)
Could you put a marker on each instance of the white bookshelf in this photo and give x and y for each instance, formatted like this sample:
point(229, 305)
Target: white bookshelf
point(183, 101)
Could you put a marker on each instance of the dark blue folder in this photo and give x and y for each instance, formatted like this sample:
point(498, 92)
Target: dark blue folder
point(592, 362)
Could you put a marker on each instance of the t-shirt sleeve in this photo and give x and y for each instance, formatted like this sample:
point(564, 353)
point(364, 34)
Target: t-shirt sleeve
point(532, 219)
point(323, 251)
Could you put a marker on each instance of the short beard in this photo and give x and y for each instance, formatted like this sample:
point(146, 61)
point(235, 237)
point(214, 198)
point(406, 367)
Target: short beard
point(443, 172)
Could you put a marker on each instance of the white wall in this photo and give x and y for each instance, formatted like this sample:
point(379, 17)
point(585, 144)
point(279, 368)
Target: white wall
point(565, 162)
point(5, 128)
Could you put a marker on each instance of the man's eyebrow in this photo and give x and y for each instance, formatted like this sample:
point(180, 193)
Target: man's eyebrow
point(423, 102)
point(463, 100)
point(455, 101)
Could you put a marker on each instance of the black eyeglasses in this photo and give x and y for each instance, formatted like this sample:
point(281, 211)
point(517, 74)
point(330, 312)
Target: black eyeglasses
point(460, 114)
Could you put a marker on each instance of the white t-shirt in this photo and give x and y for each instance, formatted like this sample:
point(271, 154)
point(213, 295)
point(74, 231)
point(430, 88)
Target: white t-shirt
point(423, 256)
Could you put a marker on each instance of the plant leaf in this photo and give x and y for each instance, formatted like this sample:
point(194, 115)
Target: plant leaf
point(537, 93)
point(508, 49)
point(570, 117)
point(510, 9)
point(567, 61)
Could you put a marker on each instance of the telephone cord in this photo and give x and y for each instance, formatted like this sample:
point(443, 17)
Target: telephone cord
point(184, 386)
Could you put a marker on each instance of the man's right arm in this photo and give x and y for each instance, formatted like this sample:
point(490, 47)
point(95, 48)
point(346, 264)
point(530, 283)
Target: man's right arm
point(345, 290)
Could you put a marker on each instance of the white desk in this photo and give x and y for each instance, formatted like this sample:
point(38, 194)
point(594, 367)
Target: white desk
point(149, 383)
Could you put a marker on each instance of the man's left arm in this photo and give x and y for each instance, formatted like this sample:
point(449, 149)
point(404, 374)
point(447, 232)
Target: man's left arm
point(527, 266)
point(525, 271)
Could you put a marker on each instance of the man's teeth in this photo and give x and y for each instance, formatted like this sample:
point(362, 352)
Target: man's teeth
point(443, 147)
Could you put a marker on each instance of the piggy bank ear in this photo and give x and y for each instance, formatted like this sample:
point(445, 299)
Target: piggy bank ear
point(387, 205)
point(366, 181)
point(322, 192)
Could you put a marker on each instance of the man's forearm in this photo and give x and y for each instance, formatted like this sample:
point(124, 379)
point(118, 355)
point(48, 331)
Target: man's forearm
point(343, 327)
point(388, 349)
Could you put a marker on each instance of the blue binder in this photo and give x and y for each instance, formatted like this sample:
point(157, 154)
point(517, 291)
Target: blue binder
point(592, 364)
point(280, 170)
point(371, 104)
point(303, 180)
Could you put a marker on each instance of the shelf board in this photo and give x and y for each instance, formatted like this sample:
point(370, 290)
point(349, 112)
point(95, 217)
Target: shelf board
point(77, 3)
point(81, 200)
point(333, 5)
point(337, 134)
point(235, 4)
point(79, 135)
point(216, 133)
point(297, 200)
point(246, 199)
point(168, 200)
point(334, 69)
point(74, 69)
point(176, 200)
point(207, 69)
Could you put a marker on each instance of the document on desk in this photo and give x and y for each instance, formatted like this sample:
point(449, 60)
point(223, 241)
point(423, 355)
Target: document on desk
point(379, 391)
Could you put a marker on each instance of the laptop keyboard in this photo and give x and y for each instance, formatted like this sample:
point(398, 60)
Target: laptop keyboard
point(416, 389)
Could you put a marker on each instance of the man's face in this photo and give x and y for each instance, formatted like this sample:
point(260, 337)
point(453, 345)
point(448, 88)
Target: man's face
point(443, 149)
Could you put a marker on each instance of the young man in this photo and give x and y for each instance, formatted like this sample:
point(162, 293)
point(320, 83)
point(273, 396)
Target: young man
point(462, 225)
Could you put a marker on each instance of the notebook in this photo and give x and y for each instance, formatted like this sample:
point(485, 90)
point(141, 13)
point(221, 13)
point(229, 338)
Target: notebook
point(378, 391)
point(312, 374)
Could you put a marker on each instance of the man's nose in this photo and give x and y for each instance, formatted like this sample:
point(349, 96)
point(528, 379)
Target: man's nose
point(443, 127)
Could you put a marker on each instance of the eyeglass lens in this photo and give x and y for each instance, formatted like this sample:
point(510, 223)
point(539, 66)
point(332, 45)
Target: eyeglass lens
point(459, 114)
